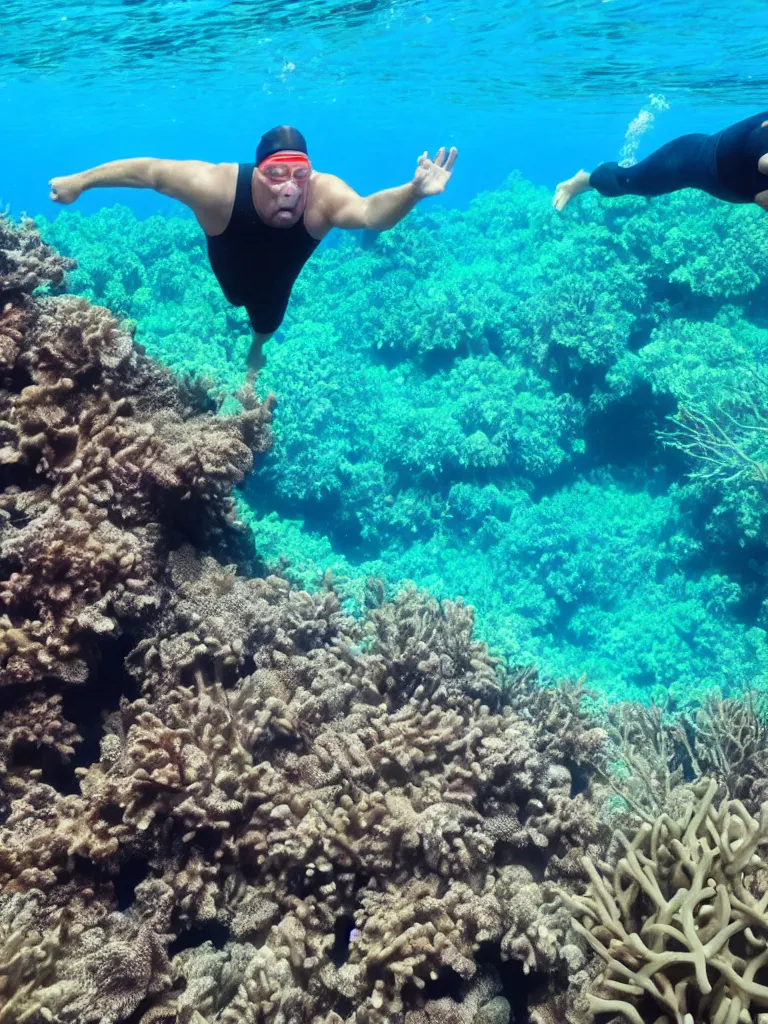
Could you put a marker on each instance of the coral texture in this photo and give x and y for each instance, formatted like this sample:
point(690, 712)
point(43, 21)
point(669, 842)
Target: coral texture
point(680, 921)
point(357, 807)
point(104, 460)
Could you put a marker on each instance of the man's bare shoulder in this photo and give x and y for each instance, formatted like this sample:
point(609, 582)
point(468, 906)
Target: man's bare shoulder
point(320, 202)
point(211, 193)
point(325, 184)
point(327, 191)
point(218, 177)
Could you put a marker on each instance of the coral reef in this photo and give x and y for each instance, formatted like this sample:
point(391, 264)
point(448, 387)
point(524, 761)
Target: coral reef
point(279, 812)
point(262, 809)
point(356, 806)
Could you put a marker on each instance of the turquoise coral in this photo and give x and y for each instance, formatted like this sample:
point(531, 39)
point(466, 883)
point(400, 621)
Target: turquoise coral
point(448, 388)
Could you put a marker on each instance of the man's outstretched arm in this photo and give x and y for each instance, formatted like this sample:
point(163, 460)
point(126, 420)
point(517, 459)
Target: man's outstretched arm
point(189, 181)
point(344, 208)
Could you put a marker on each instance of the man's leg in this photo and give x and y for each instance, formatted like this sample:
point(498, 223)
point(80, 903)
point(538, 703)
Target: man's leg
point(256, 358)
point(574, 186)
point(266, 316)
point(672, 167)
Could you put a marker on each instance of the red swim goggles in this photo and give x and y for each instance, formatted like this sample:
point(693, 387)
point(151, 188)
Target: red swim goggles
point(283, 166)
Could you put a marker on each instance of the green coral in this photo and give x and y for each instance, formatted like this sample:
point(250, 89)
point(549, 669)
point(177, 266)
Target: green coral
point(489, 402)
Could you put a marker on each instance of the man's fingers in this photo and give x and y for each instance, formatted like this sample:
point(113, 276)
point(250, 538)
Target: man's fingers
point(443, 158)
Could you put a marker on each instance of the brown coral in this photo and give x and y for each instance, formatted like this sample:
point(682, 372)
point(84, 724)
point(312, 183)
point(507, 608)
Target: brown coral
point(303, 770)
point(26, 262)
point(347, 753)
point(292, 815)
point(112, 460)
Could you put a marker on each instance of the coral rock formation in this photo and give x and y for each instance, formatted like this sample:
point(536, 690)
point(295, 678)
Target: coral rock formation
point(102, 455)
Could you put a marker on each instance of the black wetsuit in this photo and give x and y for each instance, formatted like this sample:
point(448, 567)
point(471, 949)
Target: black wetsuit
point(255, 264)
point(724, 165)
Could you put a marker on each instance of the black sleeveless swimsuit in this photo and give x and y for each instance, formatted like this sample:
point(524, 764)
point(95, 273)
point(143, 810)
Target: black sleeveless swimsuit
point(255, 264)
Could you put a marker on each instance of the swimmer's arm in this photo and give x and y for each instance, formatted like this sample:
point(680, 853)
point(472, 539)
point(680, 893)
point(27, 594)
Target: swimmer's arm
point(342, 207)
point(189, 181)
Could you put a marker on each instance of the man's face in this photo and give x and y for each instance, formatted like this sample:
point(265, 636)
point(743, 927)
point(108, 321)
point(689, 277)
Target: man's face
point(284, 180)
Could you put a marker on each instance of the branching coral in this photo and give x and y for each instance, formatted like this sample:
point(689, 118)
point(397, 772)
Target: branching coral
point(728, 739)
point(729, 448)
point(680, 922)
point(652, 753)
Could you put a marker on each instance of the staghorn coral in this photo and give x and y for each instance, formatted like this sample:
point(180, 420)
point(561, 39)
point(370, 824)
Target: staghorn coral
point(728, 740)
point(679, 922)
point(109, 459)
point(650, 754)
point(643, 763)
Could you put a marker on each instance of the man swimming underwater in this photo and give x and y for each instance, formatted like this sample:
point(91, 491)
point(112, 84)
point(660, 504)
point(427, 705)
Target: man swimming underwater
point(264, 220)
point(731, 165)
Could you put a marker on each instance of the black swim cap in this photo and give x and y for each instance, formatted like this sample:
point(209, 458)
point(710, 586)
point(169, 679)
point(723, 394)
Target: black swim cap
point(279, 139)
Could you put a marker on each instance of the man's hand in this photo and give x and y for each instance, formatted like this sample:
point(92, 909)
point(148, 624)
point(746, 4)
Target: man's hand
point(432, 176)
point(65, 190)
point(341, 207)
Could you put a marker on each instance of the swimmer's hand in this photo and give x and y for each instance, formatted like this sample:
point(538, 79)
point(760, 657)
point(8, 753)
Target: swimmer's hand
point(432, 176)
point(65, 190)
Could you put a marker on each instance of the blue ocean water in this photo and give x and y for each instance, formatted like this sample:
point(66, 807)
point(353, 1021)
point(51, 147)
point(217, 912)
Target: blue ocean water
point(536, 85)
point(476, 400)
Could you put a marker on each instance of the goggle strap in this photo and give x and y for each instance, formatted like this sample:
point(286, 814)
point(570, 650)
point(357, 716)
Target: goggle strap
point(285, 158)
